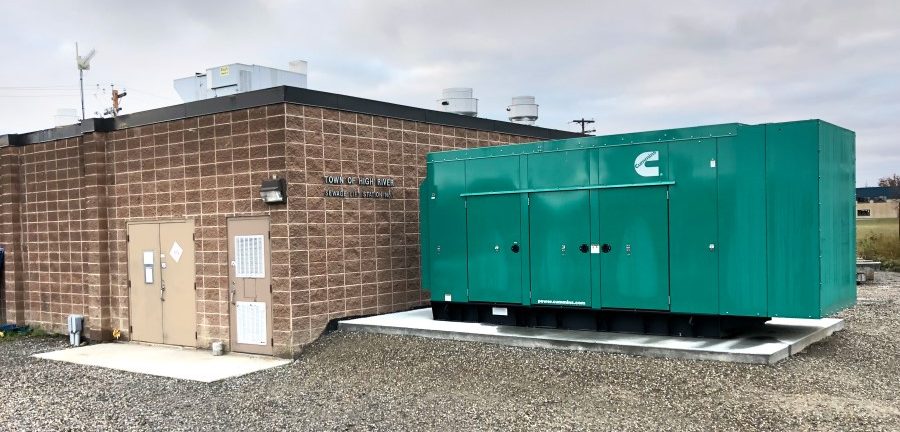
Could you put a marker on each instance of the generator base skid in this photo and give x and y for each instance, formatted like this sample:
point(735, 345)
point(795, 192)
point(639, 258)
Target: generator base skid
point(619, 321)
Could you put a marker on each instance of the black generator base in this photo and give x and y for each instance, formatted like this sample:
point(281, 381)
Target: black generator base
point(609, 320)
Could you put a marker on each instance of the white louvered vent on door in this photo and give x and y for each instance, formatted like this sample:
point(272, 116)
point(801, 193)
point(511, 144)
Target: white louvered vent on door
point(249, 256)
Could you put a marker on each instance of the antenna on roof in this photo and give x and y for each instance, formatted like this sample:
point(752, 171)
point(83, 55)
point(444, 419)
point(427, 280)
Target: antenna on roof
point(84, 63)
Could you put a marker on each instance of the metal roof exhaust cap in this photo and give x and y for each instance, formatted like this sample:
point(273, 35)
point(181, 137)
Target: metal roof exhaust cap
point(459, 100)
point(523, 110)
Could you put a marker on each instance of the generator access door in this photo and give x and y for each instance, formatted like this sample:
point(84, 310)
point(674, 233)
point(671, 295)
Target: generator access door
point(560, 248)
point(495, 248)
point(634, 237)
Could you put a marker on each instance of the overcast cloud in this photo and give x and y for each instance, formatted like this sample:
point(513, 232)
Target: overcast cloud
point(629, 65)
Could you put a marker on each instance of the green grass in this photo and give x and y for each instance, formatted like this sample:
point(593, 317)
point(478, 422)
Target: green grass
point(30, 333)
point(887, 227)
point(878, 239)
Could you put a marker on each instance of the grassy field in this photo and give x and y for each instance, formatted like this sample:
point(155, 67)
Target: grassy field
point(878, 239)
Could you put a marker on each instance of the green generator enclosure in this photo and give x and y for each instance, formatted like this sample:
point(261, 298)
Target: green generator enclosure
point(695, 231)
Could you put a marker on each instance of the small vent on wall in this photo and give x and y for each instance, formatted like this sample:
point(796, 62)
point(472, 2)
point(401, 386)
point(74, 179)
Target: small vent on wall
point(249, 259)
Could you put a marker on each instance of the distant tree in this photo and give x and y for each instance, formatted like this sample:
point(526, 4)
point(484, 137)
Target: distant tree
point(891, 181)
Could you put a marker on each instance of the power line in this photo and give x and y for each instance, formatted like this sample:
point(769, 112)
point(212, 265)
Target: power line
point(38, 87)
point(39, 96)
point(42, 87)
point(132, 89)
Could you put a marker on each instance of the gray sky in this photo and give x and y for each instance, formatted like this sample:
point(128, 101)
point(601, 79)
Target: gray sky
point(630, 65)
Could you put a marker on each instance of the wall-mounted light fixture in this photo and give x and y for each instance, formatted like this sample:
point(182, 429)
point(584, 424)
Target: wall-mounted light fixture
point(273, 191)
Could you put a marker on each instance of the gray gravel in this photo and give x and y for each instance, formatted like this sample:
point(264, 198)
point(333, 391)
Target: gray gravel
point(350, 381)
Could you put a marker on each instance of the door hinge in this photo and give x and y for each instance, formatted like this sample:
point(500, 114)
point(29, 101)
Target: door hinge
point(195, 336)
point(193, 236)
point(272, 341)
point(528, 200)
point(130, 330)
point(195, 286)
point(667, 194)
point(129, 283)
point(270, 288)
point(127, 238)
point(670, 300)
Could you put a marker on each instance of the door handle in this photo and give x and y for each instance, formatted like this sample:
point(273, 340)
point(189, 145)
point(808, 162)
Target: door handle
point(606, 248)
point(515, 247)
point(231, 293)
point(583, 248)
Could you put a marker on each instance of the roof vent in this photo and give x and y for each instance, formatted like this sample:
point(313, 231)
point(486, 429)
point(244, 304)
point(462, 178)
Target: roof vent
point(523, 110)
point(459, 100)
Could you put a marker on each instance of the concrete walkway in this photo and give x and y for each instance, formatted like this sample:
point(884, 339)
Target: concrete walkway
point(165, 361)
point(780, 338)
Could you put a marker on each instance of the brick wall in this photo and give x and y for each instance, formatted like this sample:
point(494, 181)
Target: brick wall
point(53, 233)
point(66, 204)
point(205, 168)
point(10, 233)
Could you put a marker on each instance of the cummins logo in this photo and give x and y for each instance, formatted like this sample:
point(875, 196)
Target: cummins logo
point(640, 164)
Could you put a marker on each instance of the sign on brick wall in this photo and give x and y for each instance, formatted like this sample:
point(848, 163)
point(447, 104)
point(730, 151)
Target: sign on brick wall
point(358, 187)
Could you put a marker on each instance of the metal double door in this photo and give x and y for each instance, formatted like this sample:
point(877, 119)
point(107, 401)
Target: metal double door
point(629, 234)
point(161, 278)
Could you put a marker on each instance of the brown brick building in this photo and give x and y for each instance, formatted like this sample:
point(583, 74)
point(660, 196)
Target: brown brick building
point(152, 223)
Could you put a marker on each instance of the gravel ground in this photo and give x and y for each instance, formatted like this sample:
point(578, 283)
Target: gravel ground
point(348, 381)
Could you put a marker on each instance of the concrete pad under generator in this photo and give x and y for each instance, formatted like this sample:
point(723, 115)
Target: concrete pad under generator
point(779, 339)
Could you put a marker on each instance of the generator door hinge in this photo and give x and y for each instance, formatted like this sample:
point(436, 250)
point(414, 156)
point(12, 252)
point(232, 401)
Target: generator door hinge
point(670, 300)
point(667, 194)
point(528, 200)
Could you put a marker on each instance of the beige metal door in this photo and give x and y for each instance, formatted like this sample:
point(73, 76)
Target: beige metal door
point(250, 288)
point(161, 279)
point(144, 291)
point(176, 240)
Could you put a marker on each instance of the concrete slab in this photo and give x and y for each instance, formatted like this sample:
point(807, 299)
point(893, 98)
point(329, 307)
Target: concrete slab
point(779, 339)
point(165, 361)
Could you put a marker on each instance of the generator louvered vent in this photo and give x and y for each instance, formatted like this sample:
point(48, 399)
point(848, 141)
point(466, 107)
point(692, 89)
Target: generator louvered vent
point(249, 256)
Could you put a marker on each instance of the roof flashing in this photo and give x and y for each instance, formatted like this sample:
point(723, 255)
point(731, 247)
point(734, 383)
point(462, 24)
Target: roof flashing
point(277, 95)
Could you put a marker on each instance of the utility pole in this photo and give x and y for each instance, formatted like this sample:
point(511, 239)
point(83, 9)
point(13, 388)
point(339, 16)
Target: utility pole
point(116, 96)
point(585, 122)
point(84, 63)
